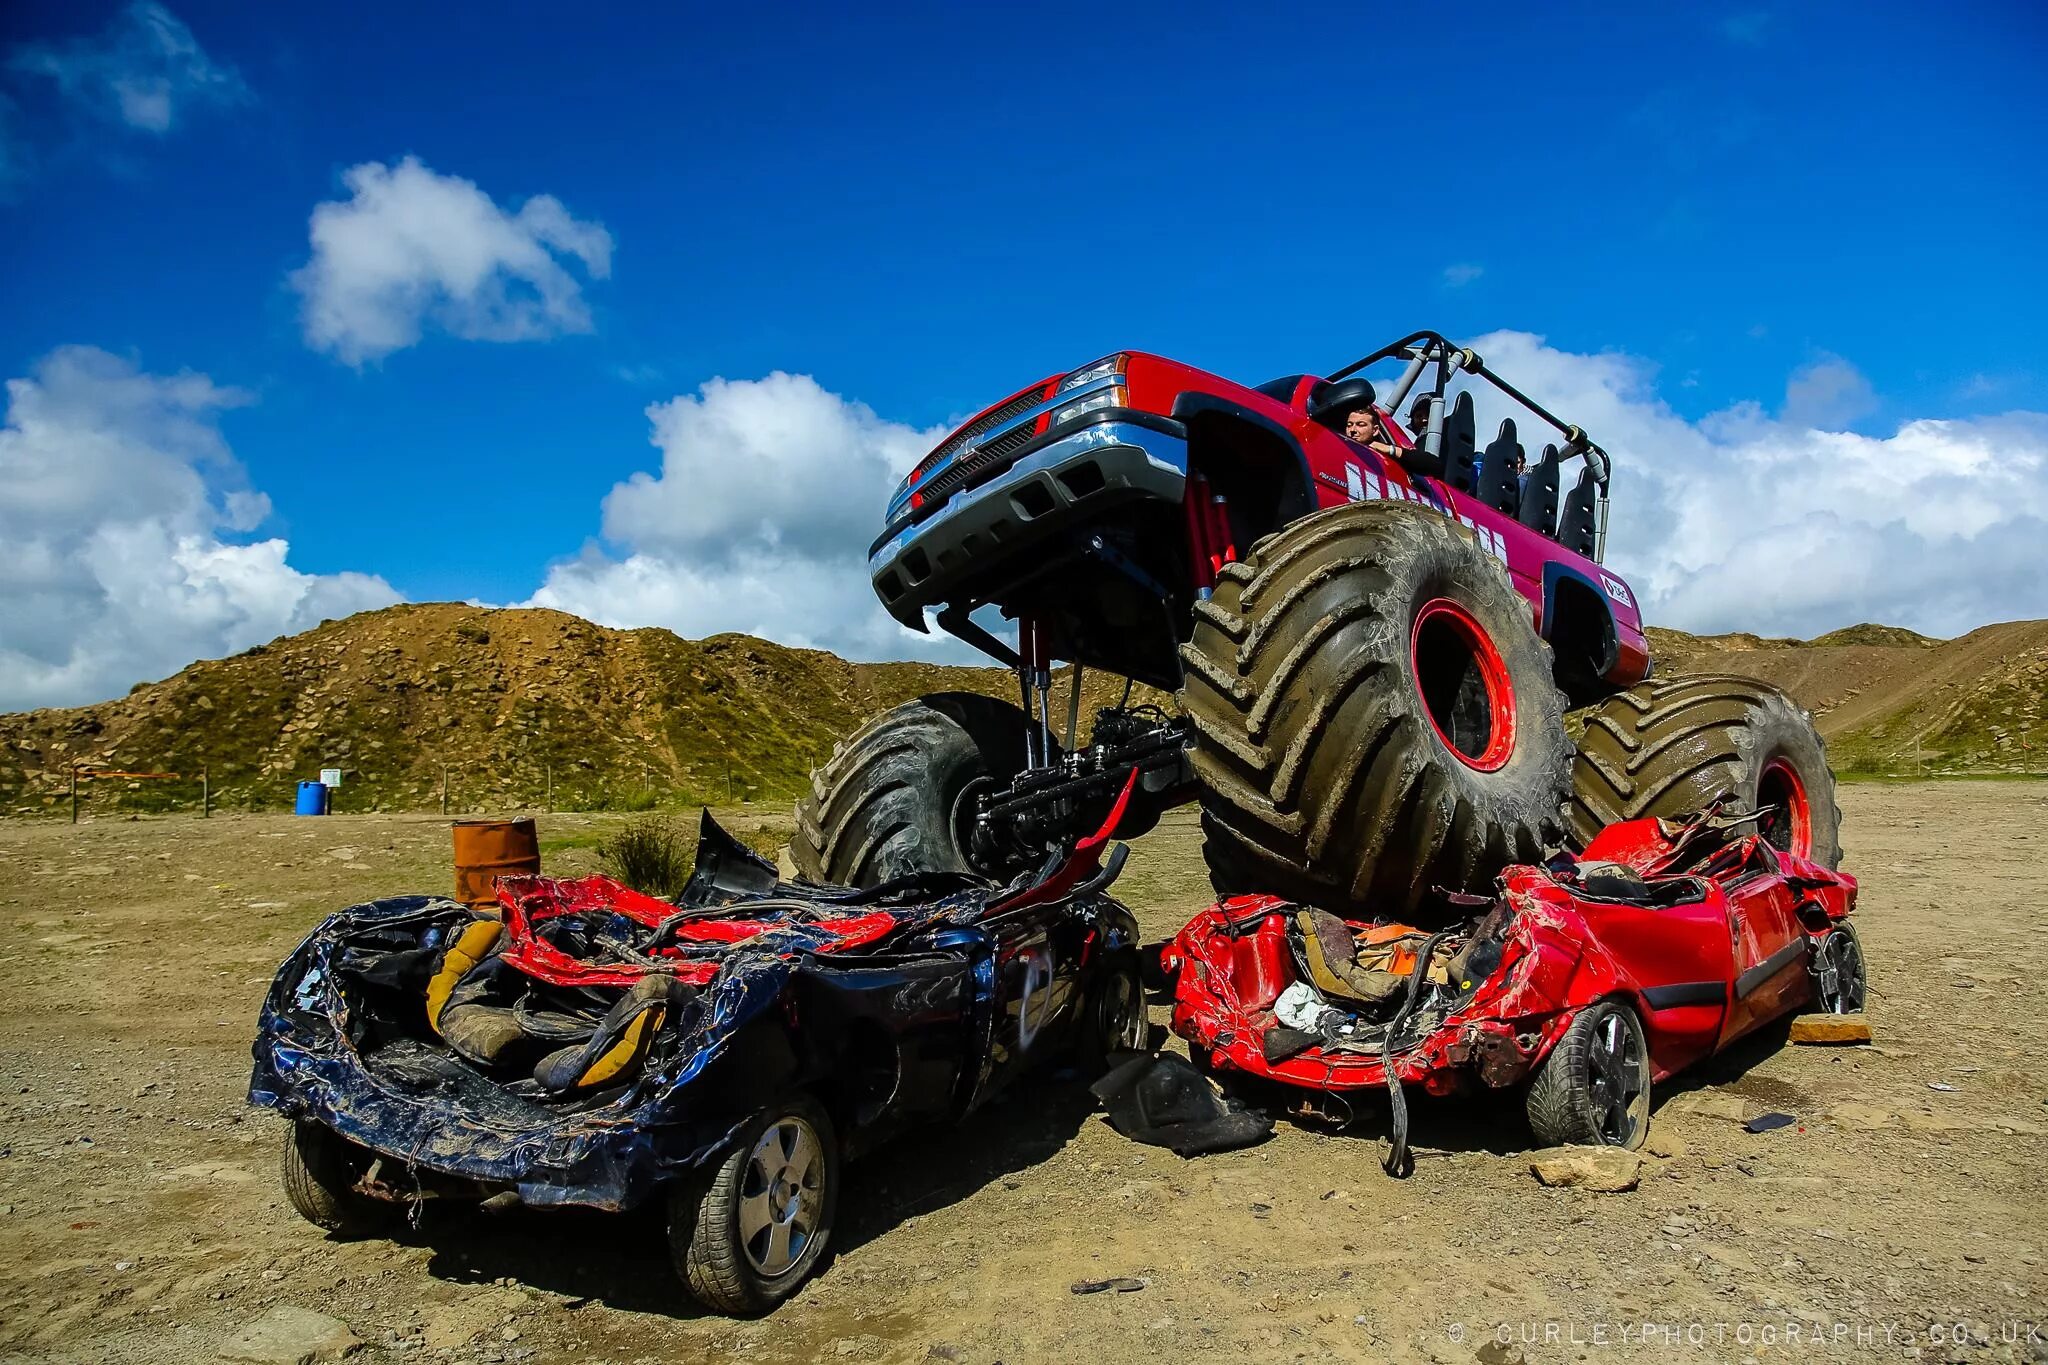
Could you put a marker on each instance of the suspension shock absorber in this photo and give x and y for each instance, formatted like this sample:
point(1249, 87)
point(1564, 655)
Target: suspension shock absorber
point(1034, 676)
point(1197, 508)
point(1222, 549)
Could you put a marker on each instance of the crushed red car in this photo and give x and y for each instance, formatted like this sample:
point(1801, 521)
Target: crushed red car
point(1585, 980)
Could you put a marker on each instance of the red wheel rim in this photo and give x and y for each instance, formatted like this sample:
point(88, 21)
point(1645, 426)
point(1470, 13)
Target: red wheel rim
point(1789, 824)
point(1463, 683)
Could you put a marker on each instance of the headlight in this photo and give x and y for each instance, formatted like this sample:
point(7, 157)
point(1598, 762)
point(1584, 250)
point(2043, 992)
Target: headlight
point(1101, 369)
point(1066, 412)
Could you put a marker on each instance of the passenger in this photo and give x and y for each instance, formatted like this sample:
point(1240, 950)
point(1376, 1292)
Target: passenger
point(1362, 425)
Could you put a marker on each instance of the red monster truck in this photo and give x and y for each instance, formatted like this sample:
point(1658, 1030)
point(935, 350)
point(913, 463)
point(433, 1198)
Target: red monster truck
point(1372, 642)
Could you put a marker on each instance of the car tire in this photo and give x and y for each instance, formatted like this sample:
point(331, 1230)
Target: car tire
point(319, 1171)
point(1677, 745)
point(1115, 1019)
point(1373, 714)
point(745, 1238)
point(1594, 1087)
point(892, 799)
point(1840, 979)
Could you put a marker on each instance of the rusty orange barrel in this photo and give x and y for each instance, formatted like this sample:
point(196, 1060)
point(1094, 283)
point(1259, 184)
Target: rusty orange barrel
point(486, 850)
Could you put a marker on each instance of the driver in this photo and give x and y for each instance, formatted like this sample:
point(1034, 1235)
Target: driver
point(1362, 425)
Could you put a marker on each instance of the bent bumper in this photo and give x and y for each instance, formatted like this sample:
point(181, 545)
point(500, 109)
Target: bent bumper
point(1070, 479)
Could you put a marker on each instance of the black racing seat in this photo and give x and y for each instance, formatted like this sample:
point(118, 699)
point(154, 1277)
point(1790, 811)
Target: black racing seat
point(1538, 508)
point(1500, 487)
point(1576, 528)
point(1417, 460)
point(1461, 445)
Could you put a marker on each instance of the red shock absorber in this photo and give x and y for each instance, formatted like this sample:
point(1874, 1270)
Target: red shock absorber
point(1222, 549)
point(1196, 506)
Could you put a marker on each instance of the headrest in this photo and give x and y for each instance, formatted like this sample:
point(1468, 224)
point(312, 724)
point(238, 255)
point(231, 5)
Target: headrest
point(1330, 403)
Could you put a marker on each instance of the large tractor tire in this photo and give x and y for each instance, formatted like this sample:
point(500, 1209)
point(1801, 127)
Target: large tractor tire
point(1374, 714)
point(1676, 745)
point(897, 797)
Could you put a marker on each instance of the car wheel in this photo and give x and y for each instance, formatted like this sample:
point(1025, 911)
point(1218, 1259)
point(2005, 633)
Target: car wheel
point(1594, 1087)
point(1838, 975)
point(746, 1238)
point(1116, 1019)
point(320, 1170)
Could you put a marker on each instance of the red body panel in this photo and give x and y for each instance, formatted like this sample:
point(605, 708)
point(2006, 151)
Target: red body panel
point(527, 903)
point(1746, 909)
point(1341, 472)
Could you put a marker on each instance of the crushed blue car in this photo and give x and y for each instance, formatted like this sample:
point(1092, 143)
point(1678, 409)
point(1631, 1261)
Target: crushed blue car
point(728, 1051)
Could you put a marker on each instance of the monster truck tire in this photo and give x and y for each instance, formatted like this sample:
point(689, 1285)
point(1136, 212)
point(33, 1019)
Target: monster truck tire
point(319, 1171)
point(1373, 714)
point(1676, 745)
point(891, 800)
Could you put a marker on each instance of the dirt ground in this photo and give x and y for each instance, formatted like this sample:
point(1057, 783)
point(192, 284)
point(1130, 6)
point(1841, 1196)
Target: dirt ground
point(140, 1216)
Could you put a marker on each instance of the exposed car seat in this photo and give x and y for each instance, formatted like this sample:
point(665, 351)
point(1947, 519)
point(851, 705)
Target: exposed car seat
point(1538, 510)
point(1575, 530)
point(620, 1041)
point(1499, 486)
point(1461, 444)
point(470, 948)
point(1416, 460)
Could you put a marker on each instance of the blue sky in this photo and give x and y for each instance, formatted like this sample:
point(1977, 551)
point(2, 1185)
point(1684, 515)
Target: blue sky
point(923, 208)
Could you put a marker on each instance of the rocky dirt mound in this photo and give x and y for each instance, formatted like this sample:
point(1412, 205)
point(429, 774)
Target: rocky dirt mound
point(509, 701)
point(1891, 701)
point(518, 703)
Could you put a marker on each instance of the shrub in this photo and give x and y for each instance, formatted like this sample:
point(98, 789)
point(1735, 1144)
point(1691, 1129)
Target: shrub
point(654, 854)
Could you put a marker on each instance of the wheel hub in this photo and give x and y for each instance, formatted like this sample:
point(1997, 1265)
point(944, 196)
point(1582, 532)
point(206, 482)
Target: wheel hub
point(1464, 685)
point(781, 1194)
point(1615, 1065)
point(1786, 821)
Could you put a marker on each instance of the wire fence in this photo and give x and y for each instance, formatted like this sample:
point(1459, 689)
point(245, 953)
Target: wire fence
point(446, 789)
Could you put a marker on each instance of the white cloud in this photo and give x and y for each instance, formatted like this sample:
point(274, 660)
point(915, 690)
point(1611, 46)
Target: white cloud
point(1741, 521)
point(1829, 392)
point(116, 488)
point(144, 71)
point(1463, 273)
point(410, 248)
point(758, 520)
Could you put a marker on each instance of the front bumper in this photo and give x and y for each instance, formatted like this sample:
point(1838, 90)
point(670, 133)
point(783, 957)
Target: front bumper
point(605, 1159)
point(1115, 457)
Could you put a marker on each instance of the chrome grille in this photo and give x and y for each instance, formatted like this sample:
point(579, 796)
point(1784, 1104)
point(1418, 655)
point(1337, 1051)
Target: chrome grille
point(976, 467)
point(988, 421)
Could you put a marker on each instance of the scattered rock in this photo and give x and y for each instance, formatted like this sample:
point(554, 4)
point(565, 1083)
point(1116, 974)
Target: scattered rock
point(1608, 1170)
point(1830, 1030)
point(287, 1335)
point(1710, 1104)
point(1662, 1142)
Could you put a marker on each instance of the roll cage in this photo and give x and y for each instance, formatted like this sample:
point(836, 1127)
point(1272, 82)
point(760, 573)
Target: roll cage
point(1438, 449)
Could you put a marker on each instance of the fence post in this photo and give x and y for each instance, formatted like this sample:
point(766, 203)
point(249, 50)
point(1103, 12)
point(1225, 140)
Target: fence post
point(551, 786)
point(205, 795)
point(74, 793)
point(444, 789)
